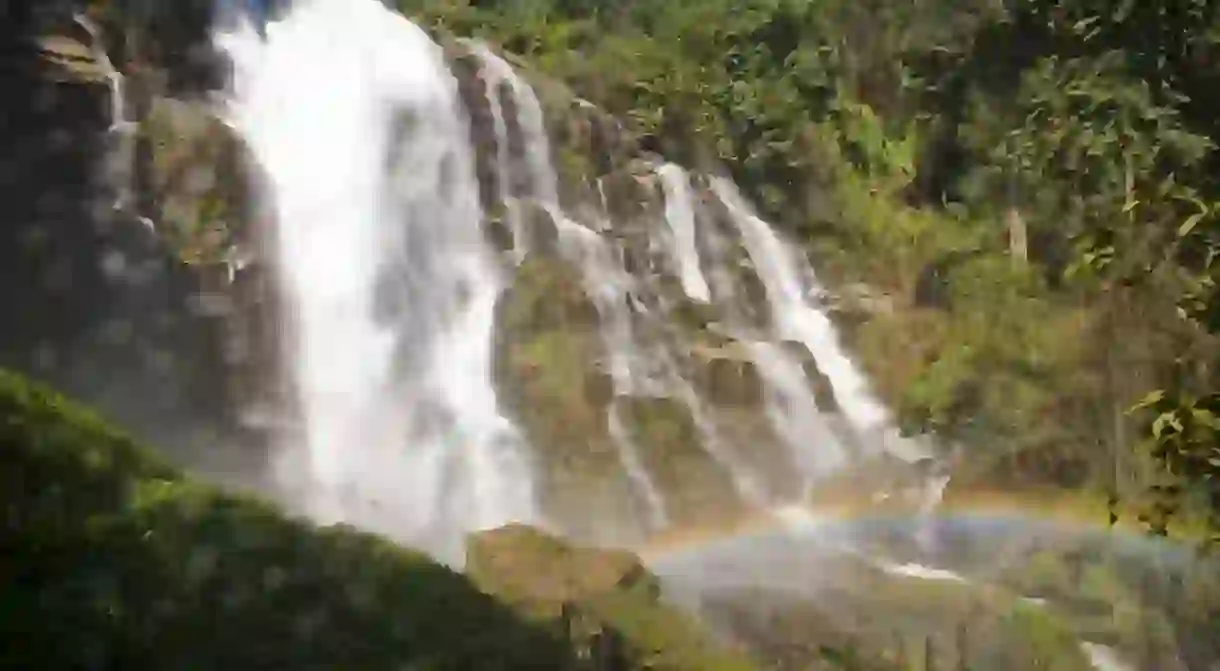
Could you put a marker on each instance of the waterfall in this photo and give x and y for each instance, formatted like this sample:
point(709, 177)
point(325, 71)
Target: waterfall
point(391, 292)
point(794, 412)
point(790, 404)
point(353, 114)
point(790, 283)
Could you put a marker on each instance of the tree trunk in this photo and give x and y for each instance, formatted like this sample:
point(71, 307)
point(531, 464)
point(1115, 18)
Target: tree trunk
point(1018, 238)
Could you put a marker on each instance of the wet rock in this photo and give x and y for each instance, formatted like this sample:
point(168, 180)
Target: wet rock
point(541, 230)
point(823, 391)
point(547, 370)
point(473, 91)
point(497, 231)
point(728, 377)
point(696, 489)
point(542, 573)
point(599, 389)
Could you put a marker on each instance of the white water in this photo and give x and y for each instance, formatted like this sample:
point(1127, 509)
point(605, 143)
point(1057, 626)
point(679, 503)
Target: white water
point(794, 413)
point(680, 215)
point(790, 404)
point(536, 143)
point(789, 282)
point(494, 73)
point(390, 286)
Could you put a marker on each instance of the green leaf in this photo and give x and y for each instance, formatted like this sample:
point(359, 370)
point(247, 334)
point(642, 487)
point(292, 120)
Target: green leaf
point(1166, 420)
point(1190, 223)
point(1206, 418)
point(1150, 400)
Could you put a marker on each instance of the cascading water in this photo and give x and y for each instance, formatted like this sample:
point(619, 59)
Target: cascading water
point(789, 285)
point(390, 285)
point(497, 76)
point(392, 289)
point(791, 406)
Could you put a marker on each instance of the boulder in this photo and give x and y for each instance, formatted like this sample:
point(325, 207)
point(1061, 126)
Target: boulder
point(541, 573)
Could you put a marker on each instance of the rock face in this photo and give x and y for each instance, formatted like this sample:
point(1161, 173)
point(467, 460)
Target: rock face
point(118, 244)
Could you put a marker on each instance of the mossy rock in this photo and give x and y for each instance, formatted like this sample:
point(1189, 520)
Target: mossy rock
point(632, 192)
point(728, 376)
point(199, 181)
point(540, 572)
point(787, 633)
point(548, 372)
point(594, 591)
point(964, 624)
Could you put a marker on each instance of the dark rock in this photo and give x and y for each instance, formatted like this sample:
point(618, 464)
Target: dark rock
point(823, 391)
point(101, 307)
point(728, 377)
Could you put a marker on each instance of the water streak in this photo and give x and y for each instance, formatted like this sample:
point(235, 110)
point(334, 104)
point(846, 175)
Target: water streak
point(633, 464)
point(680, 215)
